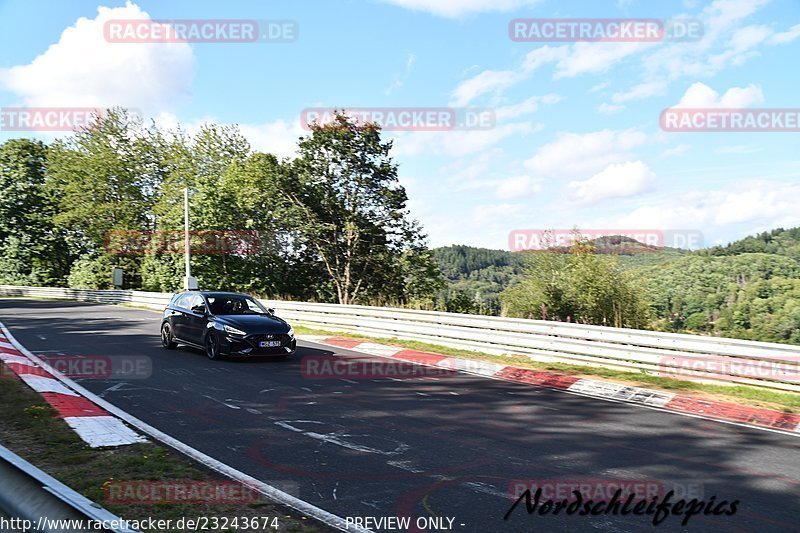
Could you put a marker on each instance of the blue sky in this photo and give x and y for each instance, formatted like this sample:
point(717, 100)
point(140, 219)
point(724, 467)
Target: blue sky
point(577, 140)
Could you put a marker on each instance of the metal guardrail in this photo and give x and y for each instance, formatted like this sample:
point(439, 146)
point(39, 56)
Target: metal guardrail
point(704, 358)
point(28, 494)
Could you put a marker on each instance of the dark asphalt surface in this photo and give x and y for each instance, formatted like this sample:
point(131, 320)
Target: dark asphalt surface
point(446, 447)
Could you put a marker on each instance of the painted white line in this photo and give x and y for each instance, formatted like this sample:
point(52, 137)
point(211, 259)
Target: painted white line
point(270, 491)
point(112, 388)
point(470, 366)
point(18, 359)
point(4, 344)
point(315, 338)
point(221, 402)
point(99, 431)
point(378, 349)
point(404, 465)
point(43, 384)
point(621, 392)
point(486, 489)
point(336, 438)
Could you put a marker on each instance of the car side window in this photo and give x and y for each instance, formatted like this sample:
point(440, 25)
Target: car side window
point(183, 301)
point(197, 303)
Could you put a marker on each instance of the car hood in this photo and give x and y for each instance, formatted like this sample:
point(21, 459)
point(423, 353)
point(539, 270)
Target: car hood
point(252, 324)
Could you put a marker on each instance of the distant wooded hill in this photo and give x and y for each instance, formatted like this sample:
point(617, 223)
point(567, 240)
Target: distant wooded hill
point(747, 289)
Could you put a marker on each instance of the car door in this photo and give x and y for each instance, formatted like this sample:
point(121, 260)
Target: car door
point(195, 319)
point(178, 316)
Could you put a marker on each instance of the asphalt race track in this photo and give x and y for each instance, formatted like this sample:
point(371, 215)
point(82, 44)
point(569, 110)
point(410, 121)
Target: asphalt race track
point(444, 446)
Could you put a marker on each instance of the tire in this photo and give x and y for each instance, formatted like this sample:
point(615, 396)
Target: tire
point(212, 347)
point(167, 340)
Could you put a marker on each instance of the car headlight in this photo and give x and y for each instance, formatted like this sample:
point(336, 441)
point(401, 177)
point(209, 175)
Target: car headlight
point(234, 331)
point(291, 331)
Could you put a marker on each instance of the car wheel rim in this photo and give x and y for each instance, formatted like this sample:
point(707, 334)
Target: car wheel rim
point(166, 336)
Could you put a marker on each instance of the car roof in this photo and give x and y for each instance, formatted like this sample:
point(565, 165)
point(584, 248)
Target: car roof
point(214, 293)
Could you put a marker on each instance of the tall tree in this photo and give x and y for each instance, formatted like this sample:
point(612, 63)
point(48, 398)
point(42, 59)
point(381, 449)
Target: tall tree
point(105, 177)
point(32, 250)
point(349, 207)
point(580, 286)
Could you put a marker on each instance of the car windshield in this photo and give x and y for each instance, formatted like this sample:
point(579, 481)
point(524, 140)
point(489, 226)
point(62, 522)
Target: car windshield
point(235, 305)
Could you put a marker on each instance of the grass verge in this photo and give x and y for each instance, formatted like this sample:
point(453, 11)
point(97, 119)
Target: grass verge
point(784, 401)
point(28, 427)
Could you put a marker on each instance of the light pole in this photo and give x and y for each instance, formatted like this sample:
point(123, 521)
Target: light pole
point(189, 283)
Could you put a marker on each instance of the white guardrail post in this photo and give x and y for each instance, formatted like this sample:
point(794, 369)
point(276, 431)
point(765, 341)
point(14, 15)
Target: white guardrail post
point(702, 358)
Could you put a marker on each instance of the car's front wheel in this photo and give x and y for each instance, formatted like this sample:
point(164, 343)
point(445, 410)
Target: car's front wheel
point(212, 346)
point(167, 340)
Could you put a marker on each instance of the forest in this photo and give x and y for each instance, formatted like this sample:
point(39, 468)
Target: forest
point(748, 289)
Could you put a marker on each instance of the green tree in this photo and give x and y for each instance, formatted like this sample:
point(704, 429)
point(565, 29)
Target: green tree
point(104, 178)
point(33, 251)
point(349, 207)
point(579, 286)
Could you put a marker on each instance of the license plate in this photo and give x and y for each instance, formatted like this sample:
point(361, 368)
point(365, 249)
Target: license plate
point(269, 344)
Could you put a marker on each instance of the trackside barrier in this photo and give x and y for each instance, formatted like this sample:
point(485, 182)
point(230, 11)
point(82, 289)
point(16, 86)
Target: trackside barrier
point(44, 503)
point(700, 358)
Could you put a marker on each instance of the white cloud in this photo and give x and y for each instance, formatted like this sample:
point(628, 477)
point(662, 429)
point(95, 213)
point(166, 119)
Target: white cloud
point(749, 37)
point(616, 181)
point(485, 82)
point(400, 79)
point(609, 109)
point(457, 143)
point(753, 204)
point(518, 187)
point(702, 96)
point(675, 150)
point(577, 155)
point(641, 91)
point(483, 214)
point(721, 19)
point(595, 58)
point(466, 173)
point(526, 107)
point(458, 8)
point(736, 149)
point(749, 205)
point(786, 36)
point(278, 137)
point(569, 60)
point(84, 70)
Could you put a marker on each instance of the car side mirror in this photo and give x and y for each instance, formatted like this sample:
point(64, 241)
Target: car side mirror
point(270, 310)
point(199, 309)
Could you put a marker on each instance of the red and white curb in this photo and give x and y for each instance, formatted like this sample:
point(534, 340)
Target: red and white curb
point(758, 417)
point(22, 356)
point(93, 424)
